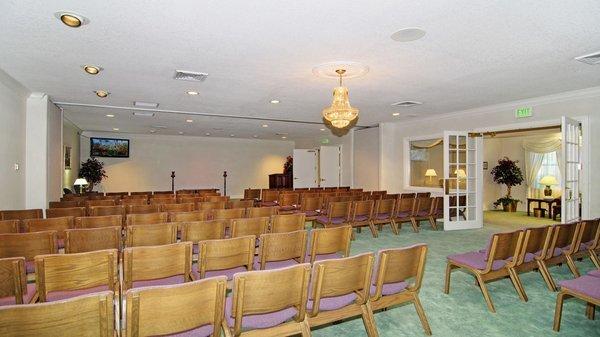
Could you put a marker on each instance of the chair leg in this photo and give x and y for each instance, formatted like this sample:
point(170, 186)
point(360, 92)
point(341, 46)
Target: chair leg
point(414, 224)
point(369, 320)
point(590, 311)
point(394, 227)
point(516, 281)
point(558, 310)
point(226, 329)
point(374, 231)
point(572, 266)
point(305, 328)
point(546, 275)
point(486, 294)
point(432, 222)
point(594, 258)
point(421, 314)
point(449, 268)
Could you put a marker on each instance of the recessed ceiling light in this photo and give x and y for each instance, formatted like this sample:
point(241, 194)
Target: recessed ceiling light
point(265, 125)
point(92, 70)
point(322, 129)
point(143, 113)
point(396, 114)
point(102, 93)
point(189, 120)
point(110, 115)
point(115, 129)
point(255, 136)
point(408, 34)
point(71, 19)
point(274, 101)
point(207, 134)
point(283, 137)
point(152, 131)
point(181, 132)
point(138, 104)
point(232, 135)
point(192, 93)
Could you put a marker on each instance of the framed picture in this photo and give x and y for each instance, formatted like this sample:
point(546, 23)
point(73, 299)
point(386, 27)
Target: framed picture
point(485, 165)
point(109, 147)
point(67, 157)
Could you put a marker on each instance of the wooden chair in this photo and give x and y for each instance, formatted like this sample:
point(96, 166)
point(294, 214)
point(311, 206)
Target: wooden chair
point(165, 193)
point(391, 287)
point(225, 257)
point(193, 308)
point(64, 204)
point(269, 303)
point(151, 235)
point(106, 210)
point(338, 214)
point(94, 318)
point(288, 203)
point(116, 194)
point(584, 288)
point(384, 214)
point(106, 202)
point(279, 250)
point(403, 212)
point(91, 239)
point(423, 195)
point(157, 265)
point(362, 216)
point(249, 226)
point(269, 198)
point(9, 226)
point(202, 206)
point(53, 224)
point(216, 198)
point(189, 216)
point(22, 214)
point(99, 221)
point(186, 199)
point(240, 203)
point(63, 212)
point(561, 245)
point(423, 210)
point(283, 223)
point(171, 208)
point(140, 193)
point(228, 214)
point(195, 231)
point(28, 245)
point(498, 261)
point(13, 282)
point(252, 193)
point(341, 289)
point(259, 212)
point(146, 219)
point(311, 207)
point(438, 209)
point(142, 209)
point(330, 243)
point(536, 242)
point(407, 195)
point(585, 244)
point(162, 200)
point(62, 276)
point(134, 202)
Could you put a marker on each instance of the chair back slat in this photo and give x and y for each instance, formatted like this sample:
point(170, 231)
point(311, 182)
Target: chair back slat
point(205, 205)
point(195, 231)
point(13, 282)
point(64, 204)
point(536, 239)
point(249, 226)
point(228, 214)
point(151, 235)
point(28, 245)
point(21, 214)
point(90, 239)
point(505, 245)
point(330, 240)
point(146, 219)
point(283, 223)
point(339, 209)
point(62, 212)
point(53, 224)
point(257, 212)
point(142, 209)
point(9, 226)
point(401, 264)
point(99, 221)
point(282, 246)
point(189, 216)
point(189, 207)
point(338, 277)
point(226, 254)
point(106, 210)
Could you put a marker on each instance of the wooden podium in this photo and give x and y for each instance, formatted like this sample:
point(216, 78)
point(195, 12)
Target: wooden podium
point(280, 180)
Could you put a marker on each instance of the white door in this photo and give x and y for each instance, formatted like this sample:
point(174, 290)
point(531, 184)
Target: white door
point(329, 166)
point(463, 177)
point(305, 168)
point(570, 167)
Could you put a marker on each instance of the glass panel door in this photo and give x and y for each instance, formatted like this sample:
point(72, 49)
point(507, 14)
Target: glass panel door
point(463, 173)
point(571, 166)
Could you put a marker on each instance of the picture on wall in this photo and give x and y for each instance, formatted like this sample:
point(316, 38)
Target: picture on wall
point(109, 147)
point(67, 157)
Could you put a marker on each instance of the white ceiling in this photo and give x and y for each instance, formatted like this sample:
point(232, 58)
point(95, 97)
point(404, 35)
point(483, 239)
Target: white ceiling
point(474, 54)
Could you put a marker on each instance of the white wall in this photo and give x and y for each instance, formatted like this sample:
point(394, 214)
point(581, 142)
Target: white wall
point(71, 135)
point(13, 98)
point(366, 159)
point(55, 156)
point(198, 162)
point(546, 110)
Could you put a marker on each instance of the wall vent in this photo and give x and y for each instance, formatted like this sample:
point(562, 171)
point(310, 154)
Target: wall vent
point(593, 58)
point(183, 75)
point(406, 104)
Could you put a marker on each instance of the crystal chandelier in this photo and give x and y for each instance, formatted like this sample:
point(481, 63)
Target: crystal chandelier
point(340, 113)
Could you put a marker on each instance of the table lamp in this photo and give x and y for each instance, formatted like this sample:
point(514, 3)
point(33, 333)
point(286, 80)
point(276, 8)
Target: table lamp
point(430, 173)
point(548, 181)
point(460, 174)
point(80, 182)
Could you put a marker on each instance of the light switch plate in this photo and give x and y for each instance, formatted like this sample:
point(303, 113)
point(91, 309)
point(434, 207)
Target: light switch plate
point(16, 167)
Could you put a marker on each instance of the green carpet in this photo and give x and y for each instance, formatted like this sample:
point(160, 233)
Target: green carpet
point(463, 312)
point(510, 220)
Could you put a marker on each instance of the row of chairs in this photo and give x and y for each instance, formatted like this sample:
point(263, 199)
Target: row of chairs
point(511, 253)
point(162, 296)
point(85, 201)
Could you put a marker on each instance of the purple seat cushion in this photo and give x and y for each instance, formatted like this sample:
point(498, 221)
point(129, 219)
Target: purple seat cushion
point(178, 279)
point(62, 295)
point(268, 203)
point(382, 216)
point(288, 208)
point(203, 331)
point(390, 288)
point(530, 256)
point(581, 247)
point(586, 285)
point(259, 321)
point(30, 267)
point(423, 213)
point(195, 249)
point(321, 257)
point(311, 213)
point(333, 303)
point(324, 220)
point(275, 264)
point(223, 272)
point(595, 273)
point(402, 215)
point(361, 218)
point(61, 243)
point(476, 260)
point(26, 297)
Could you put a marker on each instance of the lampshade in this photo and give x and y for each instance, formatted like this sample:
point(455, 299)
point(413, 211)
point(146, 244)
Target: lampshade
point(80, 182)
point(549, 181)
point(460, 173)
point(430, 173)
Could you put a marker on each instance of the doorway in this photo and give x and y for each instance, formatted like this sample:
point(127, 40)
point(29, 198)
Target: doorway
point(320, 167)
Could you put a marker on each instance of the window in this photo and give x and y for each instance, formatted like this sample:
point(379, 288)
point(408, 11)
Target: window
point(549, 168)
point(426, 162)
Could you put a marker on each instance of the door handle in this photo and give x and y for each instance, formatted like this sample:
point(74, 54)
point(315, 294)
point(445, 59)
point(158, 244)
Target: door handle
point(295, 178)
point(322, 179)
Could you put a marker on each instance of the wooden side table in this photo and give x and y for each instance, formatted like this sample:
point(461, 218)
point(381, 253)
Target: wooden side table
point(539, 201)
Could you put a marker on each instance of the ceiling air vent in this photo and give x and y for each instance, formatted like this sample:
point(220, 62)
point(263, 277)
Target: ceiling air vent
point(593, 58)
point(183, 75)
point(406, 104)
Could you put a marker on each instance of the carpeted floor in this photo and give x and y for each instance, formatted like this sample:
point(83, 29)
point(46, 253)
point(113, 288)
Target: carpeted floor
point(463, 312)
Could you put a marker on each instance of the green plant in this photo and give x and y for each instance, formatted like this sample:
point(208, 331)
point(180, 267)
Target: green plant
point(507, 173)
point(289, 164)
point(93, 171)
point(505, 201)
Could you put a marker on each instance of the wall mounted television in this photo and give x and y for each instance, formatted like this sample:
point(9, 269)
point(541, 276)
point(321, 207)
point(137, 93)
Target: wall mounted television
point(109, 147)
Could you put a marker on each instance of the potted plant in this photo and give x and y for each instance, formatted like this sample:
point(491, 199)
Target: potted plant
point(507, 173)
point(289, 165)
point(93, 171)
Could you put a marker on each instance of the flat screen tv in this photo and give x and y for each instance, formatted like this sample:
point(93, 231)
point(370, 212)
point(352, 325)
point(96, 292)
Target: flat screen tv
point(109, 147)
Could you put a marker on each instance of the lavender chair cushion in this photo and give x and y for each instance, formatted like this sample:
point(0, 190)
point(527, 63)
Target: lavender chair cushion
point(390, 288)
point(288, 208)
point(30, 267)
point(361, 218)
point(402, 215)
point(195, 249)
point(10, 300)
point(268, 203)
point(62, 295)
point(203, 331)
point(476, 260)
point(324, 220)
point(275, 264)
point(333, 303)
point(530, 256)
point(178, 279)
point(61, 243)
point(382, 216)
point(595, 273)
point(586, 285)
point(582, 246)
point(223, 272)
point(422, 213)
point(260, 321)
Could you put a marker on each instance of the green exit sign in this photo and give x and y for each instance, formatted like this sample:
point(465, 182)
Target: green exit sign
point(523, 112)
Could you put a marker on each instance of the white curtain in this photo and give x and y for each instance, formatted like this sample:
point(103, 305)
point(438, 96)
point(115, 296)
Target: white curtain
point(535, 148)
point(533, 163)
point(542, 144)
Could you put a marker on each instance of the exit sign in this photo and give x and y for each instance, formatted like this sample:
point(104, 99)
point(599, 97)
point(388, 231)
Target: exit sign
point(523, 113)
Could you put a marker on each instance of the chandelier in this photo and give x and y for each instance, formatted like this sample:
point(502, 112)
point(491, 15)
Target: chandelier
point(340, 113)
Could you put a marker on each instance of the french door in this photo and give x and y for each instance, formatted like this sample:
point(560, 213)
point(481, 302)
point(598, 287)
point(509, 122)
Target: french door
point(463, 177)
point(571, 166)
